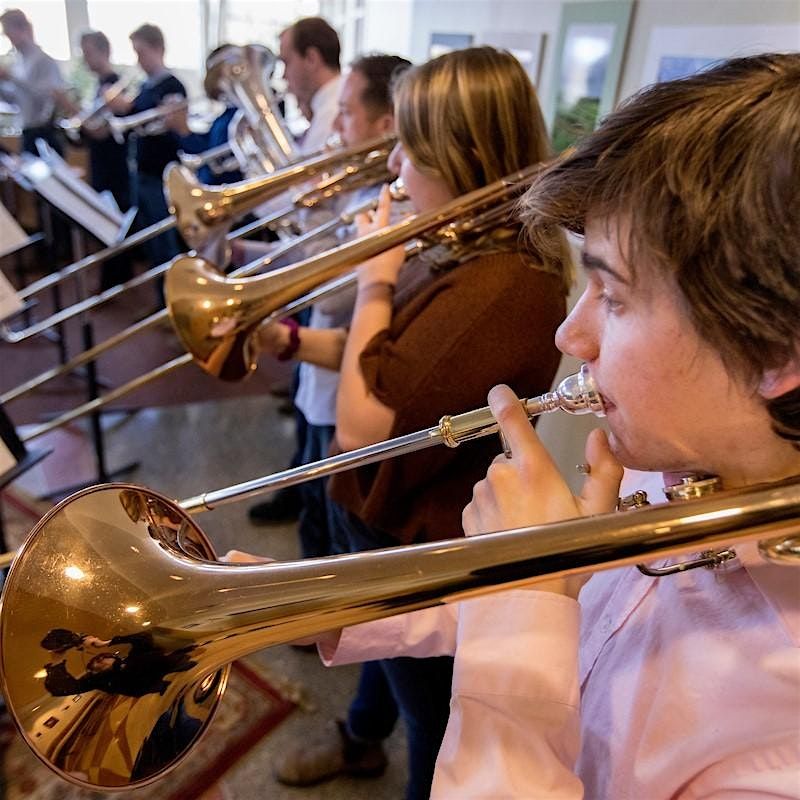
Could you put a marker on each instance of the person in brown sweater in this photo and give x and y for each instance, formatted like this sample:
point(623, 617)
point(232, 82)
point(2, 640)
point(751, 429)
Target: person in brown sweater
point(426, 339)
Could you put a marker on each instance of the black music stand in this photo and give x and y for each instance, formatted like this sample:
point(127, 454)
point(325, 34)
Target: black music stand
point(61, 189)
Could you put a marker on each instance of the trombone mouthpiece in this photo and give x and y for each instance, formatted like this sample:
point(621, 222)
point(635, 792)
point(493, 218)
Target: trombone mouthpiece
point(576, 394)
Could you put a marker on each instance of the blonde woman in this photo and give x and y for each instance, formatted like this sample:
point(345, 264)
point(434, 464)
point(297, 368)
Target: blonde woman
point(427, 339)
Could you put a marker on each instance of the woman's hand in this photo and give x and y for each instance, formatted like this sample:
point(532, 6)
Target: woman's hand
point(527, 488)
point(382, 269)
point(273, 338)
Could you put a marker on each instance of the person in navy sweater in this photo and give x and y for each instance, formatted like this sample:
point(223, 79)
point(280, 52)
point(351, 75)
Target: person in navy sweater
point(215, 136)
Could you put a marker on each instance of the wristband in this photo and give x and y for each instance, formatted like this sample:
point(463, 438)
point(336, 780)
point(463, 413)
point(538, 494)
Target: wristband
point(294, 339)
point(386, 284)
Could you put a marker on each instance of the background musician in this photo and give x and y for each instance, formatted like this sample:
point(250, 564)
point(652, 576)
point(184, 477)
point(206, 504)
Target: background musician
point(216, 135)
point(108, 159)
point(31, 83)
point(311, 53)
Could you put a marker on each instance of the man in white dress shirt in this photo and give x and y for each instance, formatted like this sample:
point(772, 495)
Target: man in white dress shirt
point(30, 82)
point(310, 52)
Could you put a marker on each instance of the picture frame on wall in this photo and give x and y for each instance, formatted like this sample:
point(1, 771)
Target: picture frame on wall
point(589, 54)
point(677, 51)
point(442, 43)
point(527, 47)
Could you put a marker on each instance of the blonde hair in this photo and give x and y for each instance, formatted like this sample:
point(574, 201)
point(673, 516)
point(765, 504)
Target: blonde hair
point(470, 117)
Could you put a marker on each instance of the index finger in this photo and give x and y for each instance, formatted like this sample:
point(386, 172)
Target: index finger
point(525, 445)
point(384, 208)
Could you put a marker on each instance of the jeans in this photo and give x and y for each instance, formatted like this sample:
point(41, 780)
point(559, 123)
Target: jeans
point(420, 686)
point(312, 525)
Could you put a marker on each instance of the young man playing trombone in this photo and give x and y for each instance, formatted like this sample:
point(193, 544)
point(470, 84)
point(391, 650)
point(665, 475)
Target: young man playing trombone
point(625, 685)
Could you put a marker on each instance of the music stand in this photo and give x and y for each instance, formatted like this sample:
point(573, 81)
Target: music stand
point(87, 210)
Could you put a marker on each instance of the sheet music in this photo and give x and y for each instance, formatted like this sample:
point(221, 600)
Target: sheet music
point(62, 188)
point(12, 237)
point(10, 302)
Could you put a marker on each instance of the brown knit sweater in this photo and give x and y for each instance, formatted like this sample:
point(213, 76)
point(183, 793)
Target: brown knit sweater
point(490, 320)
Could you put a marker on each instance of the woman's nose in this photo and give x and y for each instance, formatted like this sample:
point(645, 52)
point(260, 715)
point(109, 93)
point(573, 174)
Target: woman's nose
point(395, 159)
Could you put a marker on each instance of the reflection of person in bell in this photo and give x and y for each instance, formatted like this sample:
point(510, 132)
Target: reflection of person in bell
point(142, 671)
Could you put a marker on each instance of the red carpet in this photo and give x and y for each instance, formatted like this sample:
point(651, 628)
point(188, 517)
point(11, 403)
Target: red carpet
point(249, 710)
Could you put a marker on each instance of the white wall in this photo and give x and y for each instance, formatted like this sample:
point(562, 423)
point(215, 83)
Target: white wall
point(725, 28)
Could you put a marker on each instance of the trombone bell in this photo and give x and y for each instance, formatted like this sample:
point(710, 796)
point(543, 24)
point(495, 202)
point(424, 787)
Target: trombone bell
point(89, 636)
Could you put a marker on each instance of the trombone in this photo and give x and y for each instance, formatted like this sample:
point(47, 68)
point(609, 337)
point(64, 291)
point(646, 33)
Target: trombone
point(119, 566)
point(345, 218)
point(233, 200)
point(227, 311)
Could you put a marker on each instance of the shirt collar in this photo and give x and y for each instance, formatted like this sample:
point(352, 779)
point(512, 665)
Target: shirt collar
point(156, 78)
point(327, 93)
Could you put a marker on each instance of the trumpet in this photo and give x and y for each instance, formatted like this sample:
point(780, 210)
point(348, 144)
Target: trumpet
point(150, 122)
point(96, 116)
point(125, 567)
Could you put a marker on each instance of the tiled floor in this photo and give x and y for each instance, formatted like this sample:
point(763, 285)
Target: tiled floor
point(182, 451)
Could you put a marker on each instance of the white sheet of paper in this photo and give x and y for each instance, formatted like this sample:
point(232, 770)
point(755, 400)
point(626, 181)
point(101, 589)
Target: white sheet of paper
point(10, 301)
point(11, 234)
point(58, 184)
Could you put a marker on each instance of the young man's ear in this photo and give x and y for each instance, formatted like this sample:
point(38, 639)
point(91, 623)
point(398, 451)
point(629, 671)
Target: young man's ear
point(313, 57)
point(779, 381)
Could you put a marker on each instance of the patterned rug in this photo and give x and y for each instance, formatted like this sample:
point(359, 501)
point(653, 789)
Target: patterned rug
point(249, 710)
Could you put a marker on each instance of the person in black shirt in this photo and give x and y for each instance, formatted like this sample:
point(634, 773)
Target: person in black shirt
point(108, 160)
point(153, 152)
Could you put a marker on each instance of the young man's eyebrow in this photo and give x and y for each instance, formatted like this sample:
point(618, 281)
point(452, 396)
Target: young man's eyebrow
point(591, 263)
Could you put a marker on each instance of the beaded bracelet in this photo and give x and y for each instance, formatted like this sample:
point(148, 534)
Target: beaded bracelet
point(294, 339)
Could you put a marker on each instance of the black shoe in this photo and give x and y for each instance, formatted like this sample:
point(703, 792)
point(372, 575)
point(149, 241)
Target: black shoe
point(283, 507)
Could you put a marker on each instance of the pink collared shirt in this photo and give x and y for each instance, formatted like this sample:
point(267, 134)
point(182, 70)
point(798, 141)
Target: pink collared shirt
point(680, 687)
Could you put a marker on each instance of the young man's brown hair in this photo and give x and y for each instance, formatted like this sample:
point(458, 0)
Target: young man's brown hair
point(705, 174)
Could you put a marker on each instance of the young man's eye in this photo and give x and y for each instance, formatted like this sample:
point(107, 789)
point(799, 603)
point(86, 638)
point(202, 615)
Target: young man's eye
point(611, 303)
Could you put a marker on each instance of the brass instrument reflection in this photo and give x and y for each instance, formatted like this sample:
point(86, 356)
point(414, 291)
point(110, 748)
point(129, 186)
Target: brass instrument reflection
point(142, 670)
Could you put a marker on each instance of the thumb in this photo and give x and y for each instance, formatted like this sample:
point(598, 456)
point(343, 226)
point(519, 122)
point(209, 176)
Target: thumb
point(601, 487)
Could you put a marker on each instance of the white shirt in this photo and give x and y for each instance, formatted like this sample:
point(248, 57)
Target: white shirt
point(33, 77)
point(685, 687)
point(324, 108)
